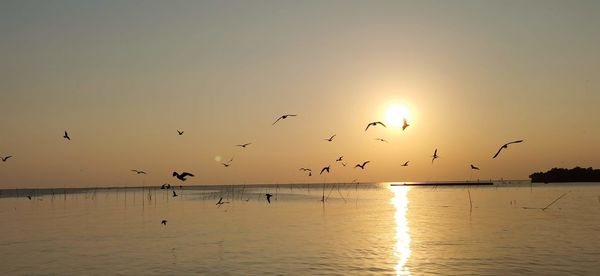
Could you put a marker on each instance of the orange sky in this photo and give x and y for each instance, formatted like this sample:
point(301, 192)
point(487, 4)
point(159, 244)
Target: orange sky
point(123, 77)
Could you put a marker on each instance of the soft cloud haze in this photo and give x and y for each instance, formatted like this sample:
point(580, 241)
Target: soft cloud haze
point(123, 76)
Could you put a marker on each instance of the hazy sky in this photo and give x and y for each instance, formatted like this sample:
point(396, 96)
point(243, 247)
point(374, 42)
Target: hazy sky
point(123, 76)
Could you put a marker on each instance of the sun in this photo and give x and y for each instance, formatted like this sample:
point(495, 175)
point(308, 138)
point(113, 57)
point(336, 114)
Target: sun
point(395, 115)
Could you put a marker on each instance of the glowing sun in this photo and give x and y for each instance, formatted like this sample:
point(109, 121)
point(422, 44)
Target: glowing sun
point(395, 115)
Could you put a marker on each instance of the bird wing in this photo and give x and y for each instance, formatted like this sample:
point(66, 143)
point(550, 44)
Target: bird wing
point(291, 115)
point(175, 174)
point(368, 125)
point(186, 174)
point(498, 152)
point(435, 152)
point(366, 162)
point(277, 120)
point(514, 142)
point(381, 124)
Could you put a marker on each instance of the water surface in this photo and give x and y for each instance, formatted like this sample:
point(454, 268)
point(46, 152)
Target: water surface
point(360, 229)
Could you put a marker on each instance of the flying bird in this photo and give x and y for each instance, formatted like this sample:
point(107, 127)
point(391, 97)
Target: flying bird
point(180, 132)
point(164, 222)
point(305, 170)
point(221, 202)
point(284, 117)
point(374, 124)
point(474, 168)
point(243, 145)
point(405, 124)
point(5, 158)
point(405, 164)
point(339, 159)
point(505, 146)
point(324, 169)
point(182, 176)
point(174, 193)
point(343, 164)
point(269, 197)
point(139, 172)
point(434, 156)
point(381, 140)
point(330, 138)
point(66, 136)
point(29, 197)
point(226, 164)
point(363, 165)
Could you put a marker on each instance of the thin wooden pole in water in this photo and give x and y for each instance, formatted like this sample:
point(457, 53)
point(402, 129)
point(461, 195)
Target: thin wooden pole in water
point(551, 203)
point(470, 202)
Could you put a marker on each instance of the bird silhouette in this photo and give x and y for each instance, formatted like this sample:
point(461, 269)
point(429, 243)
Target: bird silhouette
point(434, 156)
point(29, 197)
point(324, 169)
point(180, 132)
point(269, 197)
point(405, 124)
point(374, 124)
point(174, 193)
point(381, 140)
point(182, 176)
point(282, 117)
point(339, 159)
point(343, 164)
point(221, 202)
point(164, 222)
point(226, 164)
point(66, 136)
point(474, 168)
point(363, 165)
point(243, 145)
point(405, 164)
point(330, 138)
point(139, 172)
point(5, 158)
point(305, 170)
point(505, 146)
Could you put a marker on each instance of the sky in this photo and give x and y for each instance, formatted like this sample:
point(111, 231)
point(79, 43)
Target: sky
point(123, 76)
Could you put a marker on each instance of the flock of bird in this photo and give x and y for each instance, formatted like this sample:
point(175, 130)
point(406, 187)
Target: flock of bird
point(184, 175)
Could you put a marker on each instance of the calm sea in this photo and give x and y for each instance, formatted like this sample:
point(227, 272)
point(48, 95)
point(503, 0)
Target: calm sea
point(359, 229)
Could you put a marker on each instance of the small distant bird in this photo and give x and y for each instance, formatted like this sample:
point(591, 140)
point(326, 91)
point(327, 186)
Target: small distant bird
point(434, 156)
point(174, 193)
point(405, 164)
point(165, 186)
point(182, 176)
point(243, 145)
point(330, 138)
point(29, 197)
point(226, 164)
point(405, 124)
point(180, 132)
point(305, 170)
point(381, 140)
point(66, 136)
point(363, 165)
point(269, 197)
point(324, 169)
point(221, 202)
point(164, 222)
point(282, 117)
point(374, 124)
point(139, 172)
point(343, 164)
point(505, 146)
point(474, 168)
point(5, 158)
point(339, 159)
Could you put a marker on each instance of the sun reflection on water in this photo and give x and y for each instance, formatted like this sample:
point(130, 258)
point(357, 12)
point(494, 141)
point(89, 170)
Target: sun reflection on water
point(402, 251)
